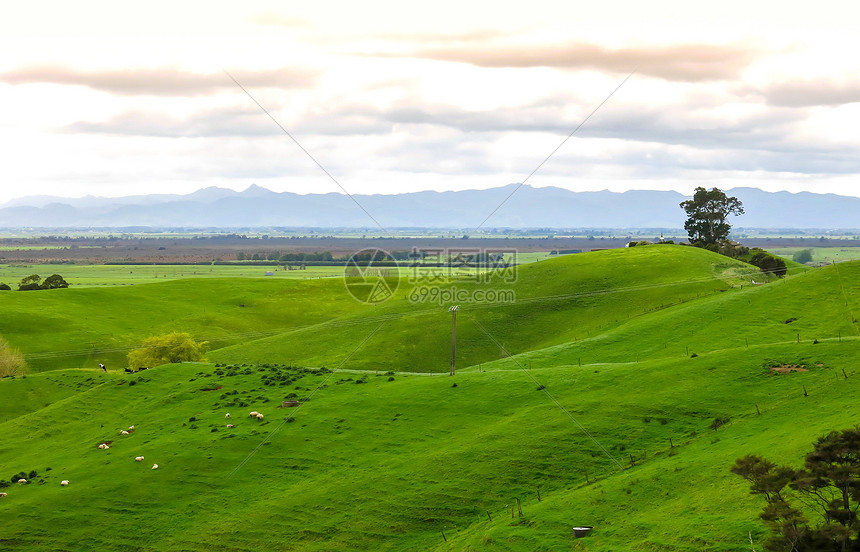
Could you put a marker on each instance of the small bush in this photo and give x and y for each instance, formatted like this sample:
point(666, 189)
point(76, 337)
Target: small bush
point(719, 422)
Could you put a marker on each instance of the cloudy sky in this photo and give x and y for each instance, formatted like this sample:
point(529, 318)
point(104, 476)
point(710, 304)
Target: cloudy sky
point(116, 98)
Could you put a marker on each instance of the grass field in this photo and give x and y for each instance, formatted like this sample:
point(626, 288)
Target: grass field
point(603, 410)
point(123, 275)
point(821, 254)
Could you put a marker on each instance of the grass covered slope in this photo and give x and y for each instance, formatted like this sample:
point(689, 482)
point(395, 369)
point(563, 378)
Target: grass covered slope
point(81, 327)
point(317, 322)
point(556, 301)
point(818, 305)
point(390, 464)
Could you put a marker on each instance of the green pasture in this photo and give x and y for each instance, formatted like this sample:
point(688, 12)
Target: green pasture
point(590, 398)
point(821, 254)
point(391, 464)
point(557, 302)
point(124, 275)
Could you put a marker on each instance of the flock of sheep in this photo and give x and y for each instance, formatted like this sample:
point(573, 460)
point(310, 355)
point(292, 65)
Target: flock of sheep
point(106, 445)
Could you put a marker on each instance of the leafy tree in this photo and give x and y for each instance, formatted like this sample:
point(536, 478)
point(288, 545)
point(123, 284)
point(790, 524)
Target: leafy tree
point(803, 256)
point(11, 360)
point(166, 349)
point(4, 287)
point(707, 213)
point(33, 281)
point(829, 485)
point(54, 281)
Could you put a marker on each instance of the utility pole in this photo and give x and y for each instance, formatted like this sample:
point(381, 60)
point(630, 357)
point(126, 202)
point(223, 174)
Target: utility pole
point(453, 310)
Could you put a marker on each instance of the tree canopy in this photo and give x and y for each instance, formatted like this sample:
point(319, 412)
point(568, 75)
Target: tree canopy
point(828, 486)
point(707, 213)
point(166, 349)
point(34, 281)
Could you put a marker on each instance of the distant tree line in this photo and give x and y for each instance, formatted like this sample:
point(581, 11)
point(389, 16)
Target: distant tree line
point(34, 281)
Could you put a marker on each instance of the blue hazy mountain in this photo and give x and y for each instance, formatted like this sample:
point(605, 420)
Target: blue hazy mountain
point(528, 208)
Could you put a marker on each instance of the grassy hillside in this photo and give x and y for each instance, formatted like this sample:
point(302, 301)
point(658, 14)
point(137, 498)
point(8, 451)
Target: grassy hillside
point(558, 301)
point(81, 327)
point(603, 411)
point(819, 305)
point(389, 465)
point(318, 323)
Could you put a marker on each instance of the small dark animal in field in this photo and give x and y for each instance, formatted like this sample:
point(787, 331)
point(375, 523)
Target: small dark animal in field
point(142, 368)
point(129, 371)
point(102, 366)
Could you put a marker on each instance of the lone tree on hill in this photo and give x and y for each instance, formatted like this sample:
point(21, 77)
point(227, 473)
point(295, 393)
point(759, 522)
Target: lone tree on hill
point(166, 349)
point(828, 485)
point(706, 215)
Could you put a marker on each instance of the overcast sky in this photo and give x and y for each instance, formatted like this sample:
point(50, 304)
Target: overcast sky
point(116, 98)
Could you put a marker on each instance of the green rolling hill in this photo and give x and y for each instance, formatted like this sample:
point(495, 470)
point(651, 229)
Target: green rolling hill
point(415, 459)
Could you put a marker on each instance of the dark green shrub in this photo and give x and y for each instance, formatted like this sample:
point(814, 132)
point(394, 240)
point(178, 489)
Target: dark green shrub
point(768, 263)
point(803, 256)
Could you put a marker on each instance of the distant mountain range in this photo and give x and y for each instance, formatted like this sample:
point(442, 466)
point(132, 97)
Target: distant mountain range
point(528, 208)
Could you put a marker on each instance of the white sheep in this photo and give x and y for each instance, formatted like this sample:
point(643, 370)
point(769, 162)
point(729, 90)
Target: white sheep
point(155, 466)
point(259, 416)
point(230, 426)
point(3, 495)
point(254, 413)
point(227, 415)
point(64, 482)
point(22, 481)
point(123, 432)
point(131, 428)
point(104, 446)
point(138, 458)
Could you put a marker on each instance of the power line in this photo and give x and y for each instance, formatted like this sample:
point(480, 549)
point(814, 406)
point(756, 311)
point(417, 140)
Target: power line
point(312, 158)
point(558, 147)
point(553, 399)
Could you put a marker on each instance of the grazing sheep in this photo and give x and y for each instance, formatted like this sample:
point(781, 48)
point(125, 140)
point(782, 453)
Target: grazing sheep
point(64, 482)
point(123, 432)
point(230, 426)
point(227, 415)
point(155, 466)
point(138, 458)
point(104, 446)
point(131, 428)
point(254, 413)
point(3, 495)
point(22, 481)
point(259, 416)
